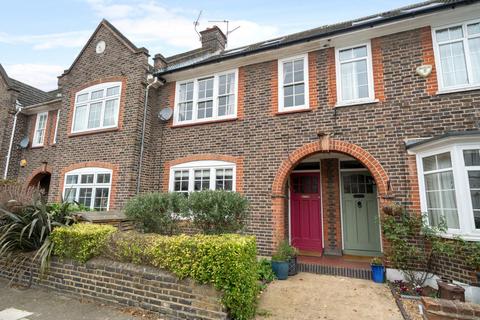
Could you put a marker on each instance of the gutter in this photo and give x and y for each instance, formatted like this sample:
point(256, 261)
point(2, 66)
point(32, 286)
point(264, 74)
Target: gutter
point(156, 84)
point(18, 108)
point(354, 27)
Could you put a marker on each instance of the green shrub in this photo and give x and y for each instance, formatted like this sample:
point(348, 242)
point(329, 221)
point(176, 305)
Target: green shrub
point(228, 262)
point(157, 212)
point(265, 272)
point(217, 212)
point(81, 241)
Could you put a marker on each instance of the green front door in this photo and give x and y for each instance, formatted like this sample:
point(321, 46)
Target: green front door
point(361, 233)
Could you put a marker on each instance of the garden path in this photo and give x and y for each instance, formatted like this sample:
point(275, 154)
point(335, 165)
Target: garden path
point(311, 296)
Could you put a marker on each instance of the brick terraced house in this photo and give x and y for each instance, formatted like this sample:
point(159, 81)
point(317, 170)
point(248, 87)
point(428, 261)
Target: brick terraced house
point(319, 129)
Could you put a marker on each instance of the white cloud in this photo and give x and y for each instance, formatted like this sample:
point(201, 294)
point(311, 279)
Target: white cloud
point(171, 30)
point(41, 76)
point(47, 41)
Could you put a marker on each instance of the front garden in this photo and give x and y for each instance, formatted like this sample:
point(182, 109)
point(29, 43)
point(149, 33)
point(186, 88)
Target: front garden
point(220, 255)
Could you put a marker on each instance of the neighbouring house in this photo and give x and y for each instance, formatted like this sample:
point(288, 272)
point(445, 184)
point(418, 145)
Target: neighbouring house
point(319, 129)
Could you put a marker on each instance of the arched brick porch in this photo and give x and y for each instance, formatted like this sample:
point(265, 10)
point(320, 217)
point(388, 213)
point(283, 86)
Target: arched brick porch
point(325, 144)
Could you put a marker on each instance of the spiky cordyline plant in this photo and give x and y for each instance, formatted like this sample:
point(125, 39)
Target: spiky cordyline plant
point(25, 234)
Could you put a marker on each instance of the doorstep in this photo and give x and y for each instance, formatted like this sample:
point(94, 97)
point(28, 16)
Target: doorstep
point(344, 266)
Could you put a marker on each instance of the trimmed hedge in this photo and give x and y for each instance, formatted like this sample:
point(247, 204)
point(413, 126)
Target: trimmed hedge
point(80, 242)
point(228, 262)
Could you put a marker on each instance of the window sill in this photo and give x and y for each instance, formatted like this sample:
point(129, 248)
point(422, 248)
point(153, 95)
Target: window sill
point(355, 103)
point(447, 91)
point(279, 113)
point(85, 133)
point(466, 237)
point(191, 124)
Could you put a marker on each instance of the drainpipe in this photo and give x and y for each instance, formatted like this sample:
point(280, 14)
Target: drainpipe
point(18, 108)
point(156, 84)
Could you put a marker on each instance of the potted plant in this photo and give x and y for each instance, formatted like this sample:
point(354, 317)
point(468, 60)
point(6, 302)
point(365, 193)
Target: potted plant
point(378, 270)
point(280, 263)
point(291, 253)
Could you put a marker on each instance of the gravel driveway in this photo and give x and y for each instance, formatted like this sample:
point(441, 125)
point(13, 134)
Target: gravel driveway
point(311, 296)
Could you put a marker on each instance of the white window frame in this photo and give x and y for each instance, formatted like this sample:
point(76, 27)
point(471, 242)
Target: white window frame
point(102, 86)
point(35, 133)
point(215, 116)
point(281, 102)
point(338, 75)
point(467, 229)
point(212, 165)
point(56, 127)
point(466, 48)
point(91, 170)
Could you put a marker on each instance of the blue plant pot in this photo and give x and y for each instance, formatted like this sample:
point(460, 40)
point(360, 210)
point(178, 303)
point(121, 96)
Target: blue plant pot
point(378, 274)
point(280, 268)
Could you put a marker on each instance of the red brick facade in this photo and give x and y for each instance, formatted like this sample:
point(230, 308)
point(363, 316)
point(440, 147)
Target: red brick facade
point(264, 144)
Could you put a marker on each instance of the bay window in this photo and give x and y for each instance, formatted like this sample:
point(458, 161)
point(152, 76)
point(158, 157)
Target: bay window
point(202, 175)
point(207, 98)
point(354, 74)
point(89, 187)
point(449, 179)
point(293, 83)
point(457, 53)
point(97, 107)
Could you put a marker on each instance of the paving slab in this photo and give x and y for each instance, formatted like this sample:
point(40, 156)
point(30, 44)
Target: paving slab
point(44, 304)
point(14, 314)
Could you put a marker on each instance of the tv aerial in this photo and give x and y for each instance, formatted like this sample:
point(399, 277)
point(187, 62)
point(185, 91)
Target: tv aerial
point(227, 22)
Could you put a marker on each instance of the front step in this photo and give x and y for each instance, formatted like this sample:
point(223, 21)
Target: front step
point(357, 273)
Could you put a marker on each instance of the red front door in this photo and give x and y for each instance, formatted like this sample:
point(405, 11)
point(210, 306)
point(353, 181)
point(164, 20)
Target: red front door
point(305, 211)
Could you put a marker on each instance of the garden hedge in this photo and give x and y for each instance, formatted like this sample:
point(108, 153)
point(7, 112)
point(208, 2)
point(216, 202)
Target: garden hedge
point(81, 241)
point(228, 262)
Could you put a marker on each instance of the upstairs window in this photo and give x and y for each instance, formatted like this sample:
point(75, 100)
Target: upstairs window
point(89, 187)
point(206, 99)
point(354, 74)
point(458, 55)
point(97, 107)
point(40, 128)
point(293, 83)
point(202, 175)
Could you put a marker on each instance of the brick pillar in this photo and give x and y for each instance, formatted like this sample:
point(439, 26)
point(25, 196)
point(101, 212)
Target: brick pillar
point(331, 207)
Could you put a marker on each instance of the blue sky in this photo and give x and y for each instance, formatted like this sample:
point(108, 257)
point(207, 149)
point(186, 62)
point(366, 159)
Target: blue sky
point(39, 39)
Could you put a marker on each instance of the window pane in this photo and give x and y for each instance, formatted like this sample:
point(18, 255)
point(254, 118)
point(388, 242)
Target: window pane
point(429, 163)
point(80, 118)
point(82, 97)
point(85, 197)
point(111, 113)
point(226, 84)
point(181, 180)
point(113, 91)
point(298, 70)
point(474, 184)
point(101, 199)
point(205, 88)
point(72, 179)
point(474, 45)
point(473, 28)
point(103, 178)
point(454, 68)
point(346, 54)
point(224, 179)
point(360, 52)
point(436, 162)
point(287, 72)
point(70, 194)
point(185, 111)
point(449, 34)
point(86, 178)
point(186, 92)
point(94, 115)
point(97, 94)
point(205, 109)
point(444, 160)
point(288, 101)
point(440, 194)
point(202, 179)
point(471, 157)
point(225, 105)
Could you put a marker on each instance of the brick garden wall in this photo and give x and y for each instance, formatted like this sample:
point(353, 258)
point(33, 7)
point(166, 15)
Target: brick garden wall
point(129, 285)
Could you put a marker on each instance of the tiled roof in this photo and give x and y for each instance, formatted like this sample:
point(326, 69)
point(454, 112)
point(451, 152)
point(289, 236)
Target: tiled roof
point(194, 58)
point(29, 95)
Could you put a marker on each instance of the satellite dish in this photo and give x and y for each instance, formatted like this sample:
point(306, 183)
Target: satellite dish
point(24, 143)
point(165, 114)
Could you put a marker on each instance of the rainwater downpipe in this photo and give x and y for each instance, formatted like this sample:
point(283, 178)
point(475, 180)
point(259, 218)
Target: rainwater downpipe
point(18, 108)
point(156, 83)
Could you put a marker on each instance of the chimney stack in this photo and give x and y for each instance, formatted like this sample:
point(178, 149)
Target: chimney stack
point(159, 61)
point(213, 39)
